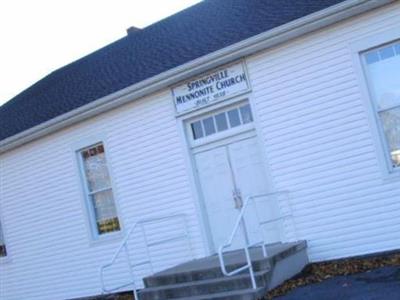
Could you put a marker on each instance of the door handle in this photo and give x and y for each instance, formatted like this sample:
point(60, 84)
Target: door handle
point(237, 198)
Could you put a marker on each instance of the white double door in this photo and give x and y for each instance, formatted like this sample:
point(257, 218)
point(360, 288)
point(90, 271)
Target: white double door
point(228, 172)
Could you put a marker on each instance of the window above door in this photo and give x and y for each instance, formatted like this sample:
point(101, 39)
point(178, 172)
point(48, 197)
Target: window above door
point(227, 120)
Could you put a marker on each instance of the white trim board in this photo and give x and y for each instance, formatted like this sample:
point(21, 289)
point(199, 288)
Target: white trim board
point(268, 39)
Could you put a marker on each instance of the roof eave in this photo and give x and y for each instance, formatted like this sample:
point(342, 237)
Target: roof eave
point(265, 40)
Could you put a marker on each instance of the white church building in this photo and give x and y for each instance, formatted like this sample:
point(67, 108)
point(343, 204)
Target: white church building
point(174, 127)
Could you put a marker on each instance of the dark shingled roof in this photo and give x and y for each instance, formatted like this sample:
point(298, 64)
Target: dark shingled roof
point(199, 30)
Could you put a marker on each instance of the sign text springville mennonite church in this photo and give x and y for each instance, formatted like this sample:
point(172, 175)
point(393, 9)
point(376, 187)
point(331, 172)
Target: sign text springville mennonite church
point(221, 84)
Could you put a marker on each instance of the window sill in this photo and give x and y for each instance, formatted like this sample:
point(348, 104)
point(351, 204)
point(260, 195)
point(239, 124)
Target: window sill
point(107, 238)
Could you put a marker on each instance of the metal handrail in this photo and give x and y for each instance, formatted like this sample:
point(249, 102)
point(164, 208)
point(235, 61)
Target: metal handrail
point(240, 222)
point(124, 246)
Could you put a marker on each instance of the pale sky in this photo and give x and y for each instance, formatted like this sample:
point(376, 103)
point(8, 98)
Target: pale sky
point(39, 36)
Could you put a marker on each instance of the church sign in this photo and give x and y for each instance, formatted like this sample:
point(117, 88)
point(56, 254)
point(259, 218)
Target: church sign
point(210, 88)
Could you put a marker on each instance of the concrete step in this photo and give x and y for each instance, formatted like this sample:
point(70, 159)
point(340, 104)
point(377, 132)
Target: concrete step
point(203, 279)
point(205, 287)
point(206, 272)
point(247, 294)
point(209, 267)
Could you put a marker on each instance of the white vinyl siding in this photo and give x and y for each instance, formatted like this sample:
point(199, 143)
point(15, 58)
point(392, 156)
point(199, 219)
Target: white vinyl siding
point(382, 66)
point(313, 118)
point(43, 204)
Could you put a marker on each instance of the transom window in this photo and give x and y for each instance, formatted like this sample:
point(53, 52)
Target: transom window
point(3, 250)
point(97, 183)
point(383, 71)
point(221, 121)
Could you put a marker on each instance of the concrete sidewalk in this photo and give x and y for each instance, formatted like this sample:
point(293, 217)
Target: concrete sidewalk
point(379, 284)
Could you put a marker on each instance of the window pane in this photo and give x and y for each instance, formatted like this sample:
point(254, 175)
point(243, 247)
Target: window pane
point(222, 123)
point(197, 130)
point(384, 79)
point(3, 251)
point(396, 158)
point(95, 166)
point(391, 125)
point(105, 212)
point(397, 47)
point(245, 112)
point(209, 127)
point(386, 52)
point(372, 57)
point(234, 119)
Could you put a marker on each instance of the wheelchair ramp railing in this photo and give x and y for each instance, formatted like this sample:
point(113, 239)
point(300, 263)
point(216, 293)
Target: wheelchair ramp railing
point(128, 251)
point(285, 213)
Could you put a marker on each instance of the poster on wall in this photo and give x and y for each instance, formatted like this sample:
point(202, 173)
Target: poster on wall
point(210, 88)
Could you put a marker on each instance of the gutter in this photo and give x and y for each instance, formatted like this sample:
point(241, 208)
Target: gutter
point(265, 40)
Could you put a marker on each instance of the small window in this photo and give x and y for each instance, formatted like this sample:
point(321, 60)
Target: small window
point(102, 209)
point(222, 121)
point(245, 112)
point(234, 119)
point(383, 71)
point(197, 130)
point(397, 47)
point(3, 250)
point(209, 127)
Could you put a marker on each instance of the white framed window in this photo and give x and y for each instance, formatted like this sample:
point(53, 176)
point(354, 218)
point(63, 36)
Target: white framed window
point(382, 69)
point(221, 121)
point(3, 249)
point(98, 190)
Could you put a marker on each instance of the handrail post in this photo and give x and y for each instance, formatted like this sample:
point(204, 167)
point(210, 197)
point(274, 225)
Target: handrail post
point(245, 233)
point(242, 223)
point(246, 248)
point(251, 271)
point(132, 273)
point(135, 293)
point(264, 249)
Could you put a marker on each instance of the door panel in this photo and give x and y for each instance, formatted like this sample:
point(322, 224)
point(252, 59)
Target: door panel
point(221, 170)
point(249, 171)
point(217, 185)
